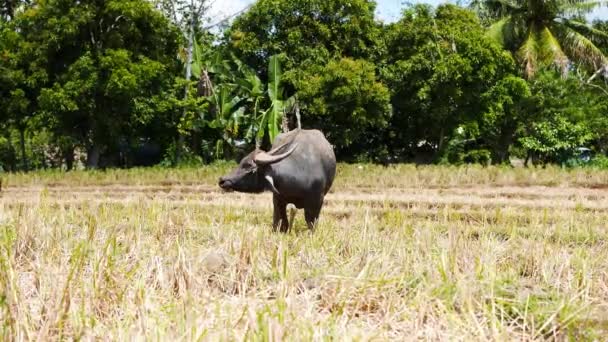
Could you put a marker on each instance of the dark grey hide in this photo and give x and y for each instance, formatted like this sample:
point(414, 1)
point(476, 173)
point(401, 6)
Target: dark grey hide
point(299, 169)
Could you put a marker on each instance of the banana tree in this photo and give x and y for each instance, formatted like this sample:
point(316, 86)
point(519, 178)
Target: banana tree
point(253, 89)
point(234, 99)
point(278, 105)
point(229, 115)
point(235, 96)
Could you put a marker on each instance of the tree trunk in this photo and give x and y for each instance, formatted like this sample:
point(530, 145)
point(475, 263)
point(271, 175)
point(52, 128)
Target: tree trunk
point(22, 143)
point(12, 154)
point(93, 153)
point(181, 139)
point(441, 142)
point(179, 146)
point(196, 144)
point(68, 156)
point(501, 151)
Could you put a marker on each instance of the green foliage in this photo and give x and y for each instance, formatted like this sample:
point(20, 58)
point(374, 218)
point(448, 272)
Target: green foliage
point(109, 76)
point(188, 158)
point(556, 139)
point(9, 8)
point(567, 115)
point(459, 149)
point(278, 105)
point(345, 99)
point(229, 111)
point(237, 96)
point(20, 78)
point(508, 106)
point(327, 50)
point(310, 32)
point(110, 62)
point(438, 64)
point(599, 161)
point(8, 155)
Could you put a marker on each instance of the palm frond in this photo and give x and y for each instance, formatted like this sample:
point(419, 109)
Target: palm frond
point(501, 8)
point(551, 50)
point(497, 32)
point(580, 49)
point(579, 7)
point(595, 35)
point(528, 53)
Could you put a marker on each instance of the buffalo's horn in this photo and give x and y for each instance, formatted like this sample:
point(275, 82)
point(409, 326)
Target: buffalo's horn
point(276, 149)
point(264, 158)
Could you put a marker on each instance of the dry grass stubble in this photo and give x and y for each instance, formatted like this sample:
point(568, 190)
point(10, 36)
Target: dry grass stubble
point(400, 252)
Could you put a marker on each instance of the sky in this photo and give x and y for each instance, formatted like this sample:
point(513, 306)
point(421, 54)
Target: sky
point(387, 10)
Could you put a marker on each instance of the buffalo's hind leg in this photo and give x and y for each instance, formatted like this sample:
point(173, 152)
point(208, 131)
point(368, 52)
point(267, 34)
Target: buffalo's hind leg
point(279, 219)
point(311, 214)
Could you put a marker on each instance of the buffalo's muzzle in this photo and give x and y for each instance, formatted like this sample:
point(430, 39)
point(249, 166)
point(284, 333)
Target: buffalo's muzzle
point(224, 183)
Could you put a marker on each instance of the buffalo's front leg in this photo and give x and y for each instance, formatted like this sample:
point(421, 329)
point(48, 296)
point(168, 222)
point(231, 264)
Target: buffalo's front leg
point(311, 214)
point(279, 214)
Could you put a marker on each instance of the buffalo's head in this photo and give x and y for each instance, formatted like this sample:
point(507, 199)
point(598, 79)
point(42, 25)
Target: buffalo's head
point(250, 174)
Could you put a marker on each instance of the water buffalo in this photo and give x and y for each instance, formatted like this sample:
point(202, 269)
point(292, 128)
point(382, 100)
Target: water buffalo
point(299, 169)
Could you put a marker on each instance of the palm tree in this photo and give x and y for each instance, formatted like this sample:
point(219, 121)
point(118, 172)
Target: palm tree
point(542, 33)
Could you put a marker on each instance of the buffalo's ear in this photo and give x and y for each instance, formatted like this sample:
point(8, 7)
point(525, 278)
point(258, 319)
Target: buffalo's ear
point(265, 158)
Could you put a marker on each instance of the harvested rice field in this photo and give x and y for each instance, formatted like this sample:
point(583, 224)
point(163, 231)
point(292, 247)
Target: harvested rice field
point(400, 253)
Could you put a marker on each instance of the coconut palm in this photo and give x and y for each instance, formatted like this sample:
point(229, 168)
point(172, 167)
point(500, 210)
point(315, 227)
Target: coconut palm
point(542, 33)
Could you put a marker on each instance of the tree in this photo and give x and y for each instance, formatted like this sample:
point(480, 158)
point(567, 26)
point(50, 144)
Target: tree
point(346, 101)
point(508, 107)
point(21, 77)
point(8, 8)
point(236, 100)
point(189, 16)
point(279, 104)
point(309, 32)
point(108, 64)
point(544, 33)
point(565, 115)
point(328, 50)
point(438, 65)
